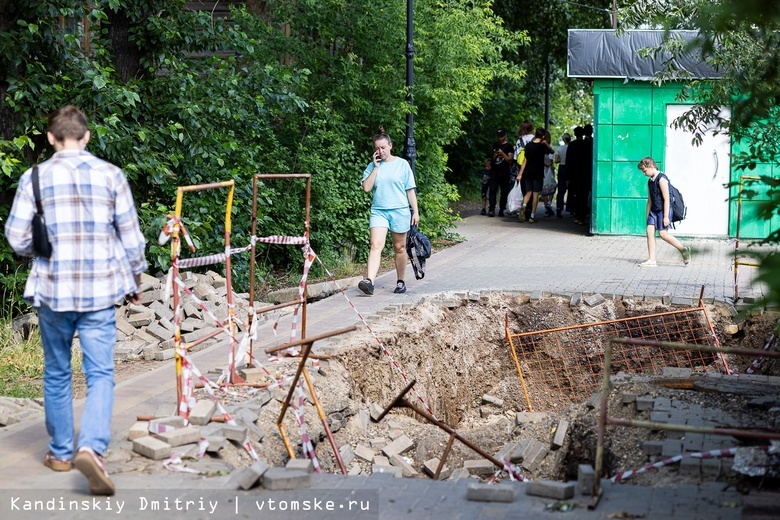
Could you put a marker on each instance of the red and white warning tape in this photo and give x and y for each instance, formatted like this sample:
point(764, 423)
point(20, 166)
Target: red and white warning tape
point(393, 362)
point(730, 452)
point(757, 362)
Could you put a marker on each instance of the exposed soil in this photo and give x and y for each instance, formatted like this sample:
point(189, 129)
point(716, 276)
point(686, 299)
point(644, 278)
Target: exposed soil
point(457, 352)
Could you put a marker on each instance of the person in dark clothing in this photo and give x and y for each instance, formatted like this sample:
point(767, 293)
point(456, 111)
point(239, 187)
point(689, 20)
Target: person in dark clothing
point(584, 178)
point(532, 171)
point(502, 154)
point(575, 156)
point(484, 177)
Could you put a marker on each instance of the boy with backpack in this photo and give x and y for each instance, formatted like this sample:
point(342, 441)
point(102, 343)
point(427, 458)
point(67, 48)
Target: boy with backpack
point(659, 212)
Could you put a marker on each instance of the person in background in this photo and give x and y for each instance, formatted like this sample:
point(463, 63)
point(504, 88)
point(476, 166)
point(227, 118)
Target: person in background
point(392, 180)
point(575, 156)
point(525, 134)
point(503, 154)
point(533, 168)
point(658, 212)
point(485, 177)
point(560, 160)
point(97, 259)
point(549, 186)
point(584, 178)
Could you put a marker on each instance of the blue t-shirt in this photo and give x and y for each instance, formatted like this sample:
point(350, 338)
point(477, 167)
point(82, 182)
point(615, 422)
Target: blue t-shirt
point(392, 181)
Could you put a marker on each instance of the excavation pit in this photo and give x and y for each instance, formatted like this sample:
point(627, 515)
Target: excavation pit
point(457, 350)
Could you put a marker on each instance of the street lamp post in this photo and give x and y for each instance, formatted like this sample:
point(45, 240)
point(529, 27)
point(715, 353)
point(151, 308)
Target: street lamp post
point(410, 147)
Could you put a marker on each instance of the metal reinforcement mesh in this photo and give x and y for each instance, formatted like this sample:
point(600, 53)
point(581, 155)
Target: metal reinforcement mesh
point(562, 366)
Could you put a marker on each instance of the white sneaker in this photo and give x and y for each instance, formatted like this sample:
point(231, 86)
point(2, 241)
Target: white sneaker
point(648, 263)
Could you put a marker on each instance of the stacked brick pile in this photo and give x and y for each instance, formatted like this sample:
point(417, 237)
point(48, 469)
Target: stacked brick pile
point(148, 330)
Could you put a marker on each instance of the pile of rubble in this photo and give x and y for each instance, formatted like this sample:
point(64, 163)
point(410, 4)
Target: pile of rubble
point(148, 330)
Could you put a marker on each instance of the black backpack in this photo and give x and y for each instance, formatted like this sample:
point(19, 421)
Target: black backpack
point(679, 209)
point(418, 248)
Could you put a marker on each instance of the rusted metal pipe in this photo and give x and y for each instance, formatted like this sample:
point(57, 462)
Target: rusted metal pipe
point(401, 401)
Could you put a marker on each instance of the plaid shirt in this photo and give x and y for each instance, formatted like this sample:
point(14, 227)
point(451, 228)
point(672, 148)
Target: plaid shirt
point(93, 227)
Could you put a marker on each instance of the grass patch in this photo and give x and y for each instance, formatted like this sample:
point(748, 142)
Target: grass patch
point(21, 363)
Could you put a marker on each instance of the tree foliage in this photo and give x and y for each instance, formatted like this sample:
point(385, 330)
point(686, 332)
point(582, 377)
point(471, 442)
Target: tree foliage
point(179, 98)
point(543, 27)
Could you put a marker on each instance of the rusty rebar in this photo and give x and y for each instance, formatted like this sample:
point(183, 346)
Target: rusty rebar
point(401, 401)
point(605, 390)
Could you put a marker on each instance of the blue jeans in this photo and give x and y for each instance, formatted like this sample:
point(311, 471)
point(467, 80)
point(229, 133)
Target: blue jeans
point(97, 335)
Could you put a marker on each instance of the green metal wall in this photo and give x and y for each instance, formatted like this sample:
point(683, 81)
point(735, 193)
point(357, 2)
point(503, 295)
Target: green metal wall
point(630, 123)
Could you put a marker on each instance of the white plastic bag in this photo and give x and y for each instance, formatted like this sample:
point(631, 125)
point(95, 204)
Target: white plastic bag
point(514, 201)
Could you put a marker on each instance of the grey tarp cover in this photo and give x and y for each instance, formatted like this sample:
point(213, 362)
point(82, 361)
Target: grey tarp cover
point(597, 53)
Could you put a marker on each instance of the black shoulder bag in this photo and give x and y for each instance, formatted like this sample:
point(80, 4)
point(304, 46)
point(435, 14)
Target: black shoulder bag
point(41, 244)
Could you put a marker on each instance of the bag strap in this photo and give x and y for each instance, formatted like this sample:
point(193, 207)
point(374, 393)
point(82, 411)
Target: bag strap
point(36, 190)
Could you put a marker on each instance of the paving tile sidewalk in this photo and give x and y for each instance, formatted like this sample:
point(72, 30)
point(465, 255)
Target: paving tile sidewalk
point(552, 256)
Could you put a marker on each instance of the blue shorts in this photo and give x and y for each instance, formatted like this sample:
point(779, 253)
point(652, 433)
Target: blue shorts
point(656, 218)
point(397, 220)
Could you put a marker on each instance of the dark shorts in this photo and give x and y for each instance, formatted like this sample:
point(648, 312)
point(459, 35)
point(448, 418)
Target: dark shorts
point(485, 185)
point(656, 219)
point(534, 185)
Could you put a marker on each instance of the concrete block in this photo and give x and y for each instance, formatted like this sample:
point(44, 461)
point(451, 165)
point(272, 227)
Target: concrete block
point(536, 296)
point(202, 412)
point(281, 478)
point(594, 300)
point(652, 448)
point(216, 443)
point(159, 332)
point(124, 326)
point(164, 355)
point(586, 479)
point(675, 372)
point(152, 448)
point(138, 430)
point(560, 433)
point(174, 421)
point(364, 452)
point(593, 401)
point(690, 467)
point(530, 453)
point(529, 417)
point(480, 467)
point(161, 310)
point(375, 411)
point(186, 435)
point(644, 404)
point(489, 399)
point(140, 319)
point(398, 446)
point(234, 432)
point(659, 417)
point(550, 489)
point(304, 465)
point(430, 466)
point(503, 492)
point(354, 471)
point(347, 454)
point(392, 470)
point(399, 462)
point(151, 296)
point(458, 474)
point(628, 398)
point(251, 375)
point(575, 300)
